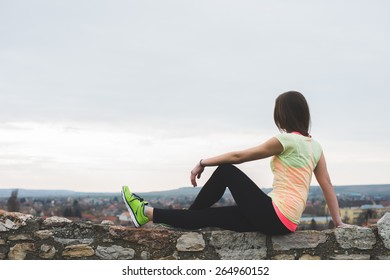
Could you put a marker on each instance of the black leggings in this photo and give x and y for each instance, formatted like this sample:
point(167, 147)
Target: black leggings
point(254, 210)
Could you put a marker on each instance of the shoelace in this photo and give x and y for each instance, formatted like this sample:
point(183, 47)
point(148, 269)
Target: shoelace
point(140, 198)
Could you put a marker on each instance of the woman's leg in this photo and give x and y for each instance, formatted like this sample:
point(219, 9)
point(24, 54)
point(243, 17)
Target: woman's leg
point(254, 210)
point(229, 218)
point(242, 188)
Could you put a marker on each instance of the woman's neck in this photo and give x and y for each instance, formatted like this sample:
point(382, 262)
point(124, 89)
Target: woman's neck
point(298, 133)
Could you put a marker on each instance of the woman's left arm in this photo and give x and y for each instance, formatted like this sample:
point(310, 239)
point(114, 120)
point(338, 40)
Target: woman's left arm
point(323, 178)
point(267, 149)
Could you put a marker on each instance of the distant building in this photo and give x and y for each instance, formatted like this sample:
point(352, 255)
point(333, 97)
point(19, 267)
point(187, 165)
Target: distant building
point(88, 217)
point(361, 215)
point(371, 206)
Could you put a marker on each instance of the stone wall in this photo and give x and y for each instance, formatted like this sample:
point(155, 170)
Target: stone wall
point(26, 237)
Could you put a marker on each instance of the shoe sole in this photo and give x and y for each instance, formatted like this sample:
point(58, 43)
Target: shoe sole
point(132, 214)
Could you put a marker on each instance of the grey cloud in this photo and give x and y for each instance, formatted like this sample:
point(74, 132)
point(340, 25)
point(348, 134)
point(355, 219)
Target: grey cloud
point(196, 61)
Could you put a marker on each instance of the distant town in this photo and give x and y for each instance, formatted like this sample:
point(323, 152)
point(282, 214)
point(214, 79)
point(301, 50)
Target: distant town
point(359, 205)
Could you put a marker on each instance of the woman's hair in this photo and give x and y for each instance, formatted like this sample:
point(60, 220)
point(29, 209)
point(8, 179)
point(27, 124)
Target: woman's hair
point(292, 113)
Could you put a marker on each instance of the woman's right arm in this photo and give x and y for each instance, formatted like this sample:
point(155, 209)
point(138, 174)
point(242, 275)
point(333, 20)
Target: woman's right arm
point(323, 178)
point(267, 149)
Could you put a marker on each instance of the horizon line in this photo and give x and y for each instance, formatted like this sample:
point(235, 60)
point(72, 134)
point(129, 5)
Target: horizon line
point(171, 189)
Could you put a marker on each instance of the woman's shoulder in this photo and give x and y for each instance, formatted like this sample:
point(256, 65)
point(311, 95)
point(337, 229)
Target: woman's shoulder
point(317, 150)
point(294, 139)
point(316, 142)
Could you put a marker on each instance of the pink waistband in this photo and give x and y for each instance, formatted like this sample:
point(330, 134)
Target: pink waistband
point(286, 222)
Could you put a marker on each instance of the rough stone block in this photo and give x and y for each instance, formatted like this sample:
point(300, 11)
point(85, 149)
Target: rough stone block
point(383, 258)
point(73, 241)
point(78, 251)
point(7, 225)
point(43, 234)
point(355, 237)
point(309, 257)
point(2, 241)
point(115, 253)
point(19, 251)
point(384, 229)
point(231, 245)
point(107, 223)
point(15, 215)
point(152, 238)
point(56, 221)
point(20, 237)
point(170, 257)
point(10, 224)
point(47, 251)
point(352, 257)
point(145, 255)
point(12, 220)
point(283, 257)
point(3, 228)
point(190, 242)
point(298, 240)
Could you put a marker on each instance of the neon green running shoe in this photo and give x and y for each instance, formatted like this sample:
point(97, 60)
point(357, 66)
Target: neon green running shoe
point(135, 205)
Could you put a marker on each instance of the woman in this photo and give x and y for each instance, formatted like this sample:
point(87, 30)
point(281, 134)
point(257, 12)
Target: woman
point(295, 157)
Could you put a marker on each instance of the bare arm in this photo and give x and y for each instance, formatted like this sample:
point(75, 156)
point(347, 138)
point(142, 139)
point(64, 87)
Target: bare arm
point(267, 149)
point(323, 178)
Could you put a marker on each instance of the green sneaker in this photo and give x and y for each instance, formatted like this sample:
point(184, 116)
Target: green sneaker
point(135, 205)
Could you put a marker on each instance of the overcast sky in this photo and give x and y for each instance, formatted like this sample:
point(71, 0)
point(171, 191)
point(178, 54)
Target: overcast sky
point(98, 94)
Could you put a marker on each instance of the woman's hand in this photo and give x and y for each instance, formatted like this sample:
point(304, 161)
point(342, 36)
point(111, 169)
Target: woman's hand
point(342, 225)
point(195, 173)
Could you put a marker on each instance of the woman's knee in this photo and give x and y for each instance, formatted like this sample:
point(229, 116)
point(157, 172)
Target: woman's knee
point(226, 168)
